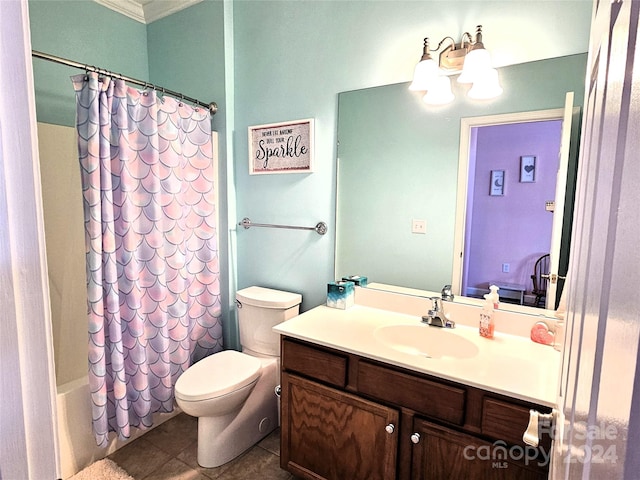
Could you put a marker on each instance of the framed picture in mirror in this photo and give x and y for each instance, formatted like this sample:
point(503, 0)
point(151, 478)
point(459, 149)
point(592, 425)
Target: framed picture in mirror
point(497, 183)
point(527, 169)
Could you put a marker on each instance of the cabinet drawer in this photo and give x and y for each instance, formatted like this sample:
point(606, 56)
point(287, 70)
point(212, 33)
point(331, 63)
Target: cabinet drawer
point(437, 400)
point(506, 421)
point(315, 363)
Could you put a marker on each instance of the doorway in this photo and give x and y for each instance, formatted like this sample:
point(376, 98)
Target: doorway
point(511, 191)
point(562, 175)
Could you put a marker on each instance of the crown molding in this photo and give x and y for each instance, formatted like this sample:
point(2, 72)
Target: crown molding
point(157, 9)
point(130, 8)
point(147, 11)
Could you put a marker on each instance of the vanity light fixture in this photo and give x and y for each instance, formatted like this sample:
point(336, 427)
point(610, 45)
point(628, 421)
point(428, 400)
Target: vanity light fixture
point(468, 58)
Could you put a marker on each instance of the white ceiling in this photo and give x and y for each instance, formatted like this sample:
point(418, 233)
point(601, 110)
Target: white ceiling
point(147, 11)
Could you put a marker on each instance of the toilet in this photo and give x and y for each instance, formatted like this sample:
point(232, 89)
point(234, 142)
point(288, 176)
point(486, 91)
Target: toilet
point(233, 393)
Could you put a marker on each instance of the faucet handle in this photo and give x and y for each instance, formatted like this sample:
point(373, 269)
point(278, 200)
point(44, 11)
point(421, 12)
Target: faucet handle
point(435, 306)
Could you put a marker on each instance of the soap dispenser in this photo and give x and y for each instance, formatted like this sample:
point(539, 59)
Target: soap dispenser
point(486, 318)
point(494, 297)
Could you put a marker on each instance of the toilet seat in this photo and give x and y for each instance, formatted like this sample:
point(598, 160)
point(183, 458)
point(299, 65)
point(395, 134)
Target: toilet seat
point(217, 375)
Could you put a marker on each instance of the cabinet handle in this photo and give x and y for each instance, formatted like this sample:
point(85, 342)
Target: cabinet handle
point(415, 438)
point(390, 428)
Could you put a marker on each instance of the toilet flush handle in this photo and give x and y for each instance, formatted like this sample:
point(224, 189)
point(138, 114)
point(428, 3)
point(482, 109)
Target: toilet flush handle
point(238, 304)
point(278, 391)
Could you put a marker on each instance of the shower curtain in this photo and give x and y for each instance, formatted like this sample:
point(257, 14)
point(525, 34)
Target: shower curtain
point(151, 247)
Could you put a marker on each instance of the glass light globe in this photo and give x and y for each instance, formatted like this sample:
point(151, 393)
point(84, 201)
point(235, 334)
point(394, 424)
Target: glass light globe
point(440, 92)
point(486, 87)
point(475, 63)
point(424, 74)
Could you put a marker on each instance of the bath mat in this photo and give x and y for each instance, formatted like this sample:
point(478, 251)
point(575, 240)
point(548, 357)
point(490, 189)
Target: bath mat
point(102, 470)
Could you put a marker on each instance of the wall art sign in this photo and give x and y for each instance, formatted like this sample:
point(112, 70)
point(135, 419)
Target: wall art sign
point(527, 169)
point(497, 183)
point(285, 147)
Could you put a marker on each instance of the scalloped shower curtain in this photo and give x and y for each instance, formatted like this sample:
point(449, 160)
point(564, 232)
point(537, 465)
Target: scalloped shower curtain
point(151, 248)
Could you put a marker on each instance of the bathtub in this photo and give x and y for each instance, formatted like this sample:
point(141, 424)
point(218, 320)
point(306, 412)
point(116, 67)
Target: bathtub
point(77, 443)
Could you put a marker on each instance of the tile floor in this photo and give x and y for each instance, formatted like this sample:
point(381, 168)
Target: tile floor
point(169, 452)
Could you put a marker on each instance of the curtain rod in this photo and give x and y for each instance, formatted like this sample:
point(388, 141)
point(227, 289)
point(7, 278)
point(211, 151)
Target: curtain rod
point(212, 107)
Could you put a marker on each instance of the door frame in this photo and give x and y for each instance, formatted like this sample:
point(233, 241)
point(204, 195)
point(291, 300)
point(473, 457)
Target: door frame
point(466, 126)
point(28, 417)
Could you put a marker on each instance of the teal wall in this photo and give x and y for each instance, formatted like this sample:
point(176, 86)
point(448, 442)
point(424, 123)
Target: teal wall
point(186, 54)
point(87, 33)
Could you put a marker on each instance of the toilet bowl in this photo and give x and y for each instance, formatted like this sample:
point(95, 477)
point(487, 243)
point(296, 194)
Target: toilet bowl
point(233, 393)
point(218, 384)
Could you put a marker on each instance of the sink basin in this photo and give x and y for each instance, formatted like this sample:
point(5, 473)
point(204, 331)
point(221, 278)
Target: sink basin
point(426, 341)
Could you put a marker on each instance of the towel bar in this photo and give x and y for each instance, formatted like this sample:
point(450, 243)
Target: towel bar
point(320, 228)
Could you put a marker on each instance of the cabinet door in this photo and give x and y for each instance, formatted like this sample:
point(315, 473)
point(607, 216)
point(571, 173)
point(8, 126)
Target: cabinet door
point(332, 435)
point(442, 453)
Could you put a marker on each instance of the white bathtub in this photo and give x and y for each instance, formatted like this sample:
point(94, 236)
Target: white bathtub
point(78, 447)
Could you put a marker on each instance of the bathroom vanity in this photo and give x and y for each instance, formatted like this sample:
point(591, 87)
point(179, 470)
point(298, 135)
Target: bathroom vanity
point(362, 399)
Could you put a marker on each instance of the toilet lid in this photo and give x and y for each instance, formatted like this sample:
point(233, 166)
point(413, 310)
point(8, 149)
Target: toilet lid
point(217, 375)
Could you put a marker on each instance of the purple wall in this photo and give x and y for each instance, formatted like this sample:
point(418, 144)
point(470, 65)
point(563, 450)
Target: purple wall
point(514, 228)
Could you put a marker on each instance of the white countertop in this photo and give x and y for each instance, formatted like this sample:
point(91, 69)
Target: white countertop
point(510, 365)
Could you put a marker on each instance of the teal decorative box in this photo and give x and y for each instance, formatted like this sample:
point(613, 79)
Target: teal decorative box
point(340, 294)
point(359, 280)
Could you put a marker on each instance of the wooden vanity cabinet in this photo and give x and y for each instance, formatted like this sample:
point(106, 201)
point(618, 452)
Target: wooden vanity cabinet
point(336, 435)
point(348, 417)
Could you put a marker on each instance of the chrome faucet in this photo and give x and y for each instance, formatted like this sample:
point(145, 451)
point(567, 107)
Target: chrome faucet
point(447, 293)
point(435, 316)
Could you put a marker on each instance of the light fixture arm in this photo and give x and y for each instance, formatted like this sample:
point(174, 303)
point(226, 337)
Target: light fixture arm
point(453, 43)
point(469, 40)
point(426, 55)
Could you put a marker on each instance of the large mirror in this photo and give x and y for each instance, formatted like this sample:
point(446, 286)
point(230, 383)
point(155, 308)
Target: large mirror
point(398, 162)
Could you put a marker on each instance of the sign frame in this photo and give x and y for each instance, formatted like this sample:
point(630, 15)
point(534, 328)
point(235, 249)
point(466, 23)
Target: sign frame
point(285, 147)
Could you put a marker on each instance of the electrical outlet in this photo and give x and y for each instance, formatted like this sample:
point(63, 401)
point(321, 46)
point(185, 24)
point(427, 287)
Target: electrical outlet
point(505, 268)
point(418, 226)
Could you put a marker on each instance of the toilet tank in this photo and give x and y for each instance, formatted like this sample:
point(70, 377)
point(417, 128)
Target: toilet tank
point(259, 310)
